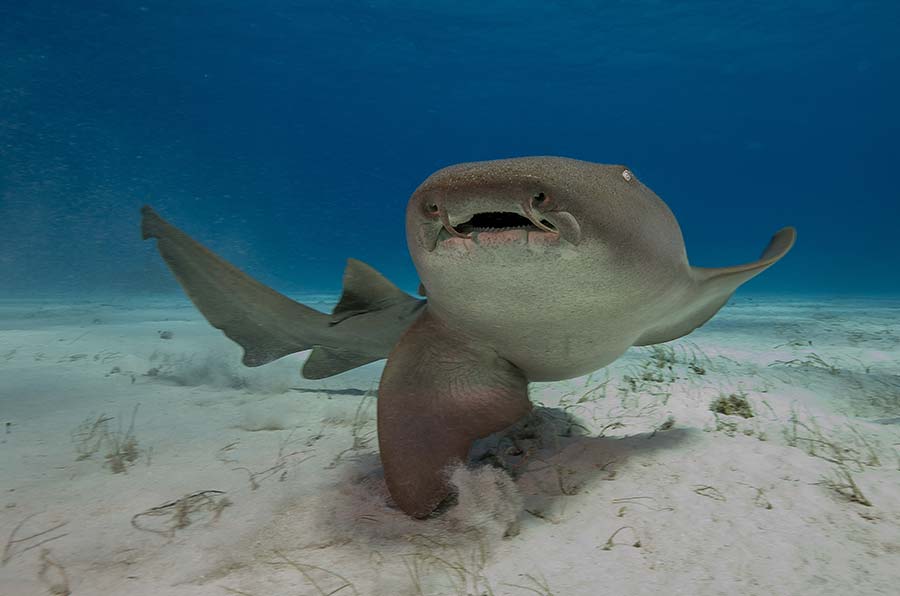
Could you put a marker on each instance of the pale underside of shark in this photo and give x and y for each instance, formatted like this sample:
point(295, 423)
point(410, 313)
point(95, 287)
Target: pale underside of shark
point(535, 269)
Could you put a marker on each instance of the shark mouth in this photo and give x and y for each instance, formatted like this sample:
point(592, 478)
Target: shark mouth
point(494, 222)
point(499, 221)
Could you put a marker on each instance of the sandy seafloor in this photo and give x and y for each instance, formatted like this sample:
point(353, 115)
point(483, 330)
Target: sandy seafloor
point(624, 482)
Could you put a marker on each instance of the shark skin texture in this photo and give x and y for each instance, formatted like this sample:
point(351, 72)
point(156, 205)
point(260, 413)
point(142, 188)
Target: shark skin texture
point(534, 268)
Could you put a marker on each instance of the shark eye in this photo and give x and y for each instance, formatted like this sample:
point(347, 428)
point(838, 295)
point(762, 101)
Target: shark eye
point(627, 175)
point(539, 199)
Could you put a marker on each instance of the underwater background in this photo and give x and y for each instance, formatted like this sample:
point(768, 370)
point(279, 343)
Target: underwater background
point(757, 456)
point(288, 136)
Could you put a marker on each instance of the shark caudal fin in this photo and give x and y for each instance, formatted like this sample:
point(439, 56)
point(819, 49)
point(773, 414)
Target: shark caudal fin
point(714, 286)
point(267, 324)
point(364, 327)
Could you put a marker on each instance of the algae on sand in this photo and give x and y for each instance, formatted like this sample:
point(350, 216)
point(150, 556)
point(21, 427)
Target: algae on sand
point(735, 404)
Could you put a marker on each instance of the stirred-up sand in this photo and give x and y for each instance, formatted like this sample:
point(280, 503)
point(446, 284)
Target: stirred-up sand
point(760, 455)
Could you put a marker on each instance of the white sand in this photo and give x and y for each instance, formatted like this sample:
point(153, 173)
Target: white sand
point(644, 491)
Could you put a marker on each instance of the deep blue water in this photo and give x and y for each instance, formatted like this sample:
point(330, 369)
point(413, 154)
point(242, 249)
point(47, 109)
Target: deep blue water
point(289, 135)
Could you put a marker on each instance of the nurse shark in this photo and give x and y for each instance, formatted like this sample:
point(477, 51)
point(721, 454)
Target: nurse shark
point(533, 269)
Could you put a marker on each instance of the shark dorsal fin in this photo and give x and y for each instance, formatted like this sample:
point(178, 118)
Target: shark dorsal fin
point(365, 290)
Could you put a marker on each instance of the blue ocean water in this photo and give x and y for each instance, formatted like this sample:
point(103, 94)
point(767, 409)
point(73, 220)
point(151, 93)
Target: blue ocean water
point(288, 135)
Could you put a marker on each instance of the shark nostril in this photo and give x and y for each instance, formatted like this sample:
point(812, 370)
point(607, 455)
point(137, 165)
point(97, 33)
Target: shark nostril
point(431, 209)
point(539, 199)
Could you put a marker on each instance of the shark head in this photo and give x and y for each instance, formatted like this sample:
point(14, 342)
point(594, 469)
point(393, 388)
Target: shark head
point(506, 240)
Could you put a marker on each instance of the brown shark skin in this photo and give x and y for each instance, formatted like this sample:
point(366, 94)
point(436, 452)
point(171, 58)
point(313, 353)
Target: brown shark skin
point(440, 392)
point(600, 267)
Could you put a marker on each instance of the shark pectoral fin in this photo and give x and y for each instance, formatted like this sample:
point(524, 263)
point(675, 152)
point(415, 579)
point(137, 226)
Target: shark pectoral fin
point(727, 279)
point(268, 325)
point(325, 362)
point(713, 288)
point(366, 290)
point(437, 395)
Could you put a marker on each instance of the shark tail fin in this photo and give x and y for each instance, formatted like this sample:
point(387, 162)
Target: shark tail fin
point(269, 325)
point(714, 287)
